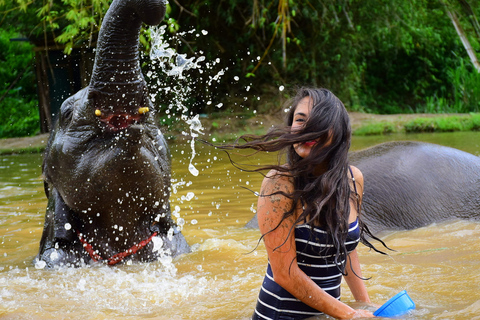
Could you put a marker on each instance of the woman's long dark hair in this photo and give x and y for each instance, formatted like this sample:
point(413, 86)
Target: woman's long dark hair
point(325, 197)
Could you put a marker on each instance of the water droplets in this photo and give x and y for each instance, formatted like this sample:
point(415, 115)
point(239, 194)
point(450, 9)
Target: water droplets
point(40, 264)
point(157, 244)
point(189, 196)
point(54, 255)
point(195, 129)
point(181, 222)
point(81, 285)
point(192, 169)
point(171, 62)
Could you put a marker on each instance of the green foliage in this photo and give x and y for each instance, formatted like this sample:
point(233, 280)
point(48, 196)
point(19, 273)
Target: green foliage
point(382, 56)
point(20, 118)
point(475, 121)
point(18, 99)
point(444, 124)
point(21, 150)
point(462, 97)
point(470, 122)
point(83, 18)
point(465, 88)
point(388, 56)
point(68, 22)
point(376, 128)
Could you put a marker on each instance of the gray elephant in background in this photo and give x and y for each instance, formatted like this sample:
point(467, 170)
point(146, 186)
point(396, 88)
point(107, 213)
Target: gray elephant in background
point(107, 165)
point(413, 184)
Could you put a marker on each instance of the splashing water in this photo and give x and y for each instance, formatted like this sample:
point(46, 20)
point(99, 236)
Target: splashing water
point(171, 62)
point(174, 65)
point(195, 129)
point(168, 78)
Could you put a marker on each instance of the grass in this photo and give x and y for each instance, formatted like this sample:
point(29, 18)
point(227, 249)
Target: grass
point(376, 128)
point(21, 150)
point(468, 122)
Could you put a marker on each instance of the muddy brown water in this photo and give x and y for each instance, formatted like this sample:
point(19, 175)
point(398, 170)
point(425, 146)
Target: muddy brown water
point(437, 265)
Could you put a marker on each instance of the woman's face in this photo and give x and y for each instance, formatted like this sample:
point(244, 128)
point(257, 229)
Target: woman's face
point(300, 117)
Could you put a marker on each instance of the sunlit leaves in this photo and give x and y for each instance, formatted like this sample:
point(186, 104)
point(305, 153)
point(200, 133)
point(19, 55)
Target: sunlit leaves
point(71, 22)
point(173, 25)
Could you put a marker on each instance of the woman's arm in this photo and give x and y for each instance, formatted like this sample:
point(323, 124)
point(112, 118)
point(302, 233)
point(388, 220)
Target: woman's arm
point(279, 239)
point(352, 268)
point(353, 278)
point(356, 185)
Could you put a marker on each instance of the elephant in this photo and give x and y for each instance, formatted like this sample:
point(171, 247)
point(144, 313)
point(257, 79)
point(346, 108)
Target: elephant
point(107, 166)
point(411, 184)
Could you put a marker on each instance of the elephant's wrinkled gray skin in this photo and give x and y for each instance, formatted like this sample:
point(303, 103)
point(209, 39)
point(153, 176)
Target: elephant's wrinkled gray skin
point(107, 164)
point(413, 184)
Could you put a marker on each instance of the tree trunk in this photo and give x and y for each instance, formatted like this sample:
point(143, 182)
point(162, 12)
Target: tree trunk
point(467, 8)
point(463, 37)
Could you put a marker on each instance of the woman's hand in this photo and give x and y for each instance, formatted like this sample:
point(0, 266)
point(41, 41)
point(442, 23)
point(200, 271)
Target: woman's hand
point(361, 313)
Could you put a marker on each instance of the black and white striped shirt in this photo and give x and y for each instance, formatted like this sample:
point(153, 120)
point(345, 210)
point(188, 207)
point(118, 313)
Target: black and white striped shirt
point(315, 257)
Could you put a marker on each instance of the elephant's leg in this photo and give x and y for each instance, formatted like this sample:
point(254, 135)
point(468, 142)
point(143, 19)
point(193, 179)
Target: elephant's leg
point(173, 240)
point(59, 244)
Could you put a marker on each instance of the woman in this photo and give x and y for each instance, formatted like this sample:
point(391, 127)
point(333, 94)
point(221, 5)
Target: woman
point(308, 213)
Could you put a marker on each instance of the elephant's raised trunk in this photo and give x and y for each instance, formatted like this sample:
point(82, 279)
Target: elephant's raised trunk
point(117, 84)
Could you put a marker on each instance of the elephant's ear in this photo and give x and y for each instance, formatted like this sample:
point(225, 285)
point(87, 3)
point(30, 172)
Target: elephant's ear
point(66, 112)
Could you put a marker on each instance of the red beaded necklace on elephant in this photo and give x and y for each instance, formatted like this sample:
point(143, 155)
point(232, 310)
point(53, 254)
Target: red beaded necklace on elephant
point(117, 257)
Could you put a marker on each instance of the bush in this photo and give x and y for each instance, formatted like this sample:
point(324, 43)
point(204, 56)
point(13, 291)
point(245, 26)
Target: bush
point(475, 121)
point(375, 128)
point(444, 124)
point(21, 118)
point(18, 97)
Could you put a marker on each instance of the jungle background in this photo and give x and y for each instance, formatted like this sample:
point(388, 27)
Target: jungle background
point(378, 57)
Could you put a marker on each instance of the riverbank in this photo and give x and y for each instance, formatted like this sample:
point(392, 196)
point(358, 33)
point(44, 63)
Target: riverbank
point(227, 129)
point(363, 124)
point(24, 145)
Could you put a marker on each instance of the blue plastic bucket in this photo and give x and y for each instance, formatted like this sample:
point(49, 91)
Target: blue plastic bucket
point(398, 305)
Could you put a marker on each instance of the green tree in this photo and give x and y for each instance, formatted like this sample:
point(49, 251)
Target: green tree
point(68, 22)
point(385, 56)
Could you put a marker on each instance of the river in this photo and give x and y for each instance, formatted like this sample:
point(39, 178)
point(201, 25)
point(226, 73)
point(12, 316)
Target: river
point(437, 265)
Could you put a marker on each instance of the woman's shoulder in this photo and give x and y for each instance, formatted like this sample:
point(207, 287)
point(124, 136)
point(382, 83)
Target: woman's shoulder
point(276, 180)
point(357, 174)
point(356, 184)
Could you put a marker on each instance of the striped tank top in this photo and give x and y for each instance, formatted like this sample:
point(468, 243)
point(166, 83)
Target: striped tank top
point(315, 257)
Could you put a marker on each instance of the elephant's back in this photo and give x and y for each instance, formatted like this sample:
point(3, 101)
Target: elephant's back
point(413, 184)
